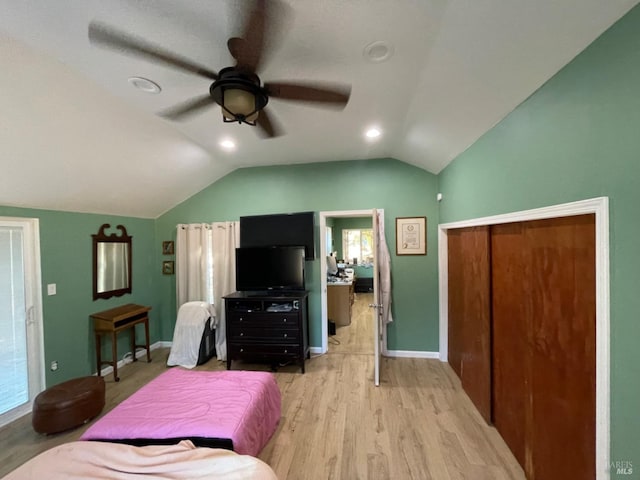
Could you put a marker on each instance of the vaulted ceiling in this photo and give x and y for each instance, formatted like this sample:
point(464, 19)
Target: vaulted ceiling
point(431, 75)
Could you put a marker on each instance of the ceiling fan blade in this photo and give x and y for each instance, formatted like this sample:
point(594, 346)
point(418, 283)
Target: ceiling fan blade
point(248, 49)
point(267, 126)
point(188, 108)
point(325, 94)
point(106, 36)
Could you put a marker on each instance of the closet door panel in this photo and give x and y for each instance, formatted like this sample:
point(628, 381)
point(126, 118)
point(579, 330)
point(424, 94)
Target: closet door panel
point(469, 314)
point(562, 256)
point(455, 306)
point(511, 358)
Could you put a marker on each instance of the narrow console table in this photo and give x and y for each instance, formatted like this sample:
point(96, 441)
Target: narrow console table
point(271, 327)
point(110, 322)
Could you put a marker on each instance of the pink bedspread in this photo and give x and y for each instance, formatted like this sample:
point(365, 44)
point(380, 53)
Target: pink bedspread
point(238, 405)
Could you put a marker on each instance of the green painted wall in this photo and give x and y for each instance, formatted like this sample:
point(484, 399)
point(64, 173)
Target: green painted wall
point(66, 260)
point(398, 188)
point(576, 138)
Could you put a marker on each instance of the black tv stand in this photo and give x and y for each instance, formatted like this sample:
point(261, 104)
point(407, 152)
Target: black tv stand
point(271, 293)
point(269, 327)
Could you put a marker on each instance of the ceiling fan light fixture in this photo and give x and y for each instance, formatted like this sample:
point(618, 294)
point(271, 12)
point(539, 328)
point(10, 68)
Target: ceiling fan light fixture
point(236, 103)
point(239, 94)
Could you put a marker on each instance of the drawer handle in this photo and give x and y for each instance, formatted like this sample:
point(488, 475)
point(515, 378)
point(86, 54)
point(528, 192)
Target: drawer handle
point(242, 334)
point(242, 349)
point(241, 318)
point(286, 351)
point(285, 335)
point(284, 320)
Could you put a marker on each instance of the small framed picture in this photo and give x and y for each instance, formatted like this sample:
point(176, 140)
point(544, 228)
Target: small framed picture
point(411, 236)
point(167, 247)
point(167, 267)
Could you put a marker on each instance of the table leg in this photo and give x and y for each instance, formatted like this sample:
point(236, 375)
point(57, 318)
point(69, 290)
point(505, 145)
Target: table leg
point(98, 354)
point(114, 356)
point(146, 336)
point(133, 343)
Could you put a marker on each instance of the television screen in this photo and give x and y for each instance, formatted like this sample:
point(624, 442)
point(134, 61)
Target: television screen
point(283, 229)
point(269, 268)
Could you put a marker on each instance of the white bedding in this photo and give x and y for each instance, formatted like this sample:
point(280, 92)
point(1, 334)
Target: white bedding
point(98, 460)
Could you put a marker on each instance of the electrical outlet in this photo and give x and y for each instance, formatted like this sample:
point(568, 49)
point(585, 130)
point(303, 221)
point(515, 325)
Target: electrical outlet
point(54, 365)
point(51, 289)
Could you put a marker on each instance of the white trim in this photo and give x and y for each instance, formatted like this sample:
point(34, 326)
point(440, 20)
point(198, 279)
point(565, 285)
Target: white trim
point(33, 297)
point(316, 351)
point(600, 207)
point(322, 225)
point(412, 354)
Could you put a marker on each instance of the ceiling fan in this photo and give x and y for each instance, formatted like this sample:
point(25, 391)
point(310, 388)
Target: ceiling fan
point(236, 89)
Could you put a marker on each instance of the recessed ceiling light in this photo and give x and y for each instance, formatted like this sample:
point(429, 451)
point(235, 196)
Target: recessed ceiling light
point(145, 84)
point(379, 51)
point(373, 133)
point(228, 144)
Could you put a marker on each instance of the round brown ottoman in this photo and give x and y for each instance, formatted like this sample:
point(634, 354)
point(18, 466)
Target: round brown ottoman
point(68, 404)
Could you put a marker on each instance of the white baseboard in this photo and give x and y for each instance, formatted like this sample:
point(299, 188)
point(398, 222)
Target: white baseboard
point(139, 354)
point(394, 353)
point(412, 354)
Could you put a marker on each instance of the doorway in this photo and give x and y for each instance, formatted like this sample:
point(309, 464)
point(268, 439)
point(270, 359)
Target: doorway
point(349, 239)
point(21, 339)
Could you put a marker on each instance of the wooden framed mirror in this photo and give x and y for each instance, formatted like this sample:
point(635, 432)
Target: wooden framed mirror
point(111, 263)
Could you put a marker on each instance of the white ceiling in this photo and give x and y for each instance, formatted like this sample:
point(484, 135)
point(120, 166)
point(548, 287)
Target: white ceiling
point(76, 136)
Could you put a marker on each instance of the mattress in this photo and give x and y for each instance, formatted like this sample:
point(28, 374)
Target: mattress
point(87, 460)
point(236, 410)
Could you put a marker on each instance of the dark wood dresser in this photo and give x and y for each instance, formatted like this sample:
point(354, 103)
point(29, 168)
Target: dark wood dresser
point(270, 328)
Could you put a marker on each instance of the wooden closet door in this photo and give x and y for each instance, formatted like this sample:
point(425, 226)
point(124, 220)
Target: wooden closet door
point(562, 257)
point(511, 324)
point(543, 327)
point(469, 313)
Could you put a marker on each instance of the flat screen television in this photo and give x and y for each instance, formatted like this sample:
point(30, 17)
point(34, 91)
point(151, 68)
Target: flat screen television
point(268, 269)
point(282, 229)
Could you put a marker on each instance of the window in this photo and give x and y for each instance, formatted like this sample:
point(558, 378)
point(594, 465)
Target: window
point(329, 239)
point(358, 244)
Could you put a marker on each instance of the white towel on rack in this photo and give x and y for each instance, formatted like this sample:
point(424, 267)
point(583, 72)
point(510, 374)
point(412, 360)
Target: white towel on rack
point(187, 334)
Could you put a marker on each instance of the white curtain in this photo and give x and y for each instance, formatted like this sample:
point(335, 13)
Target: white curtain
point(206, 269)
point(194, 273)
point(384, 269)
point(226, 238)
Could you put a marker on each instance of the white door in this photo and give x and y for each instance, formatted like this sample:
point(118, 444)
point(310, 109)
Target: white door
point(21, 348)
point(377, 304)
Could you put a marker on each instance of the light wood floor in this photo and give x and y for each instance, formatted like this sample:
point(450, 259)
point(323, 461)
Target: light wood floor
point(418, 424)
point(356, 338)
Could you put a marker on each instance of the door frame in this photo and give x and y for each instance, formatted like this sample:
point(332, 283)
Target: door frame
point(600, 207)
point(33, 298)
point(322, 224)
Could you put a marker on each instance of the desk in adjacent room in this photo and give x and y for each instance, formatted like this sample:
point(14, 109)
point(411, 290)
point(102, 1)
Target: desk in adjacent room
point(340, 297)
point(110, 322)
